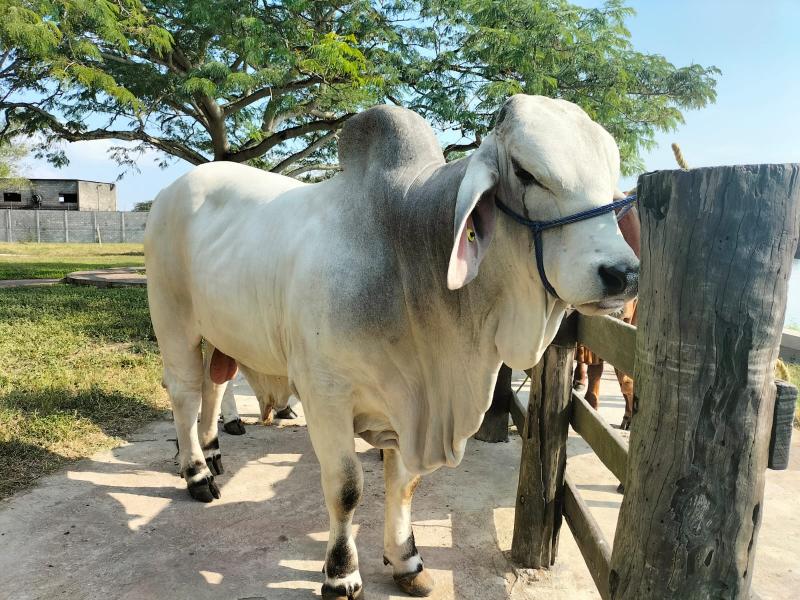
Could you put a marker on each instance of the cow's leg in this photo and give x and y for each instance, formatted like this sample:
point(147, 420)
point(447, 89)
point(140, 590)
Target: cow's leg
point(595, 373)
point(231, 422)
point(399, 548)
point(626, 387)
point(342, 481)
point(579, 377)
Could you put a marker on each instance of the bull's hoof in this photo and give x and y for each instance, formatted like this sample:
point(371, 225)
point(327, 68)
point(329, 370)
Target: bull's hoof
point(626, 423)
point(204, 490)
point(419, 585)
point(341, 593)
point(286, 413)
point(214, 464)
point(234, 427)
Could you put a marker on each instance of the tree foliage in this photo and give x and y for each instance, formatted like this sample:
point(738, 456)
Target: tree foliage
point(11, 154)
point(271, 82)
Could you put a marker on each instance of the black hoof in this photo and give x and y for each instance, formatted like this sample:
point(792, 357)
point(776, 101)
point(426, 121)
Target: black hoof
point(286, 413)
point(234, 427)
point(214, 464)
point(626, 423)
point(204, 490)
point(340, 593)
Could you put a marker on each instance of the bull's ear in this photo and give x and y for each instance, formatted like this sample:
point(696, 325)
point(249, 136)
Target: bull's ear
point(474, 216)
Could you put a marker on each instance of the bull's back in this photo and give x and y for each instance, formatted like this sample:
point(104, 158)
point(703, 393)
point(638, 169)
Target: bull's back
point(208, 239)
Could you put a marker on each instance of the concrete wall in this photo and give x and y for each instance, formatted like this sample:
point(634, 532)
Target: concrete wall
point(97, 196)
point(91, 195)
point(71, 226)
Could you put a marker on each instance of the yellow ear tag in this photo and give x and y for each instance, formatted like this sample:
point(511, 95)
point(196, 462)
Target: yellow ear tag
point(470, 235)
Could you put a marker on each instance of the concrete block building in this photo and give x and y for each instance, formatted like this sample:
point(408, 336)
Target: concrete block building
point(58, 194)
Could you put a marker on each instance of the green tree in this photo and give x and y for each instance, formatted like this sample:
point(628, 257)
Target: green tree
point(271, 83)
point(143, 206)
point(11, 155)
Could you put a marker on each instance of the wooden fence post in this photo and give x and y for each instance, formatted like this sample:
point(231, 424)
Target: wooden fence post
point(540, 492)
point(717, 250)
point(494, 427)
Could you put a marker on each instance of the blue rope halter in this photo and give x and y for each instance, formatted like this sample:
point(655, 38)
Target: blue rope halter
point(537, 227)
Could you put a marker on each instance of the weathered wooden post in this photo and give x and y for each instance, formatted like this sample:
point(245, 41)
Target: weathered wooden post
point(717, 248)
point(494, 427)
point(540, 492)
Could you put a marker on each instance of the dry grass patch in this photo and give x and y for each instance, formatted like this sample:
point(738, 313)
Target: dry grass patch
point(79, 370)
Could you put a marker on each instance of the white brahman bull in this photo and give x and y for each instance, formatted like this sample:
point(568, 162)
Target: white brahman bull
point(364, 293)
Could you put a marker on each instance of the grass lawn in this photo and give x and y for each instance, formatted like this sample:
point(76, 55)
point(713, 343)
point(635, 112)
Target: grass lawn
point(43, 261)
point(79, 369)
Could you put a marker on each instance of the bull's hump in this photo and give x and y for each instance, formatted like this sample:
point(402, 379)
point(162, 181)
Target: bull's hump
point(385, 138)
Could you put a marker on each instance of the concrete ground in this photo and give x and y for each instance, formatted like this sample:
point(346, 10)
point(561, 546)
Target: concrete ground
point(121, 525)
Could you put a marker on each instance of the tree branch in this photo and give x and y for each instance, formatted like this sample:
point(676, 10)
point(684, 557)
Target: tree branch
point(451, 148)
point(172, 147)
point(240, 103)
point(313, 167)
point(310, 149)
point(281, 136)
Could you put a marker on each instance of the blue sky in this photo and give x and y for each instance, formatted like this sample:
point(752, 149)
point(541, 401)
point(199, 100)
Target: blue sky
point(756, 118)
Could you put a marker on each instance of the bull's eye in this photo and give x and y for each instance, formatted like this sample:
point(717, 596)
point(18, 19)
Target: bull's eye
point(524, 176)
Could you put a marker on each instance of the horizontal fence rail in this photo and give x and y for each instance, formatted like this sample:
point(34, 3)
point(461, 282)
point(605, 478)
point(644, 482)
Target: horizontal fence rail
point(596, 551)
point(611, 339)
point(607, 444)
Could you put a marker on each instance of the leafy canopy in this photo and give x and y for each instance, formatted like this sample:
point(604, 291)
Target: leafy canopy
point(12, 153)
point(271, 82)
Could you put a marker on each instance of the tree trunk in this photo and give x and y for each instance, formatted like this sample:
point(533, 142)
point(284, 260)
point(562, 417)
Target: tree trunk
point(716, 256)
point(495, 422)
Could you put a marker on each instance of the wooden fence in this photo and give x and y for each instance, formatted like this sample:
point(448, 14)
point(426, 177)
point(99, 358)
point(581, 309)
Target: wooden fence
point(709, 420)
point(542, 423)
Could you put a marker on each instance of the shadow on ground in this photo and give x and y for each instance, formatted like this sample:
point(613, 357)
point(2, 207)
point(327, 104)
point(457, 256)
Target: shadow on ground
point(123, 526)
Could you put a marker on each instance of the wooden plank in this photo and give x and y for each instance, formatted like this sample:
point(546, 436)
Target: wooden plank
point(537, 518)
point(611, 339)
point(609, 446)
point(709, 333)
point(591, 542)
point(782, 419)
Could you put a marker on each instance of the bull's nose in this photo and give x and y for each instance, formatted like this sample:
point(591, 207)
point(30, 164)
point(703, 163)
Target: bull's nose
point(617, 278)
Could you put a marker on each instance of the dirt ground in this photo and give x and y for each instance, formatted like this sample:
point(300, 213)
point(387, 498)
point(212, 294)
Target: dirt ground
point(121, 525)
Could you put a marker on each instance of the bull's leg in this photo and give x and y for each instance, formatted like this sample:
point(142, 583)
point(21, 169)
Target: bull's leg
point(231, 422)
point(184, 383)
point(399, 548)
point(342, 482)
point(209, 415)
point(593, 387)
